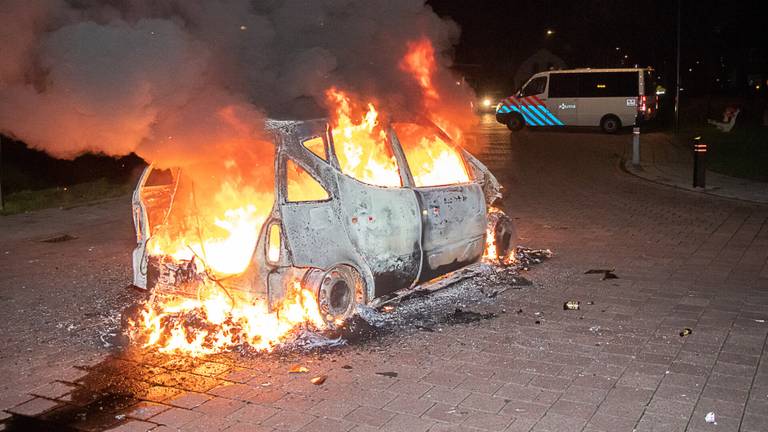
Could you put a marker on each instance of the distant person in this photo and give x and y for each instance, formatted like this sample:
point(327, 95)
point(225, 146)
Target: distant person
point(729, 119)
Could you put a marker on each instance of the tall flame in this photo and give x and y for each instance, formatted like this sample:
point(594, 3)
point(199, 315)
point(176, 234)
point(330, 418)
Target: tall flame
point(221, 231)
point(419, 61)
point(361, 143)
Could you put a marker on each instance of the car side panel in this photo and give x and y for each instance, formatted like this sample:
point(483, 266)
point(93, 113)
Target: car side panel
point(454, 220)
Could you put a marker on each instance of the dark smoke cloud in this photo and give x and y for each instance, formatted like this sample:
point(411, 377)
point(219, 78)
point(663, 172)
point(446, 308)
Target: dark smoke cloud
point(164, 78)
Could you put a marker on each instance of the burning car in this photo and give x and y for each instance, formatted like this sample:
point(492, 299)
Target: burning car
point(349, 223)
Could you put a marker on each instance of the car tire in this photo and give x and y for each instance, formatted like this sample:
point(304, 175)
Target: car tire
point(339, 290)
point(503, 230)
point(515, 122)
point(610, 124)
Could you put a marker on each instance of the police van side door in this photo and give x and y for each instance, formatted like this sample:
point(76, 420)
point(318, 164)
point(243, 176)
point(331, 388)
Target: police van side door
point(563, 94)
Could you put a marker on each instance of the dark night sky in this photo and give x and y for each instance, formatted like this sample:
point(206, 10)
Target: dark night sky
point(498, 35)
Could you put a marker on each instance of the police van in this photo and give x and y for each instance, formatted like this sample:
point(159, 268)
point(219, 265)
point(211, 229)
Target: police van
point(609, 98)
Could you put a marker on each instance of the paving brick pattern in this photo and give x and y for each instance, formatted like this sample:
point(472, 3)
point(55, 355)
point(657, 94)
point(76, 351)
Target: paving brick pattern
point(618, 364)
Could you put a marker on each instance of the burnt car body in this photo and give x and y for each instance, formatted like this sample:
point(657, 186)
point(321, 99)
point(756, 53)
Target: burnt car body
point(361, 243)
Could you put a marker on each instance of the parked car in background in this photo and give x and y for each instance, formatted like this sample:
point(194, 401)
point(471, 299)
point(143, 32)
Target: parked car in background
point(608, 98)
point(486, 101)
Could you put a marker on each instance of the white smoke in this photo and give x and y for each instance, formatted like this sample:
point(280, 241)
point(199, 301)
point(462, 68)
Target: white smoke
point(169, 78)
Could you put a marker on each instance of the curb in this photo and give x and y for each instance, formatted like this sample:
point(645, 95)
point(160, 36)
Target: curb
point(625, 166)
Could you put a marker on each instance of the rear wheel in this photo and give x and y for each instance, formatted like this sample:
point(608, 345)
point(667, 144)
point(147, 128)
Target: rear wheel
point(503, 230)
point(610, 124)
point(515, 122)
point(338, 291)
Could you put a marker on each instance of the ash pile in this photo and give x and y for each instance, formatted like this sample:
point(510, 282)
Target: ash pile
point(467, 295)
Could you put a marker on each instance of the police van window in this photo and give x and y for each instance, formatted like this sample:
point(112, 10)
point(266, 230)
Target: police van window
point(609, 84)
point(536, 86)
point(563, 85)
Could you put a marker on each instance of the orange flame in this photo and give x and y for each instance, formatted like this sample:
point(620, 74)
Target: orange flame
point(419, 61)
point(222, 231)
point(491, 253)
point(361, 144)
point(214, 324)
point(364, 151)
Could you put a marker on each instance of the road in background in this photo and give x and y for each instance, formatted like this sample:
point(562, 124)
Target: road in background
point(683, 260)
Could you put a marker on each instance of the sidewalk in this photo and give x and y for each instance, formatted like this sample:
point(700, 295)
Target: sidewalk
point(664, 162)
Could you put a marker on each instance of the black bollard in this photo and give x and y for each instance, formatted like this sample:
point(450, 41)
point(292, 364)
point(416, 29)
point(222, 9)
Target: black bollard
point(699, 163)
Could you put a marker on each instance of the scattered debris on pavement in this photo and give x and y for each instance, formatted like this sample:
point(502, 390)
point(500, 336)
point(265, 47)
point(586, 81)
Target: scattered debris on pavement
point(607, 274)
point(686, 331)
point(318, 380)
point(525, 257)
point(572, 305)
point(710, 418)
point(460, 316)
point(298, 369)
point(387, 374)
point(59, 238)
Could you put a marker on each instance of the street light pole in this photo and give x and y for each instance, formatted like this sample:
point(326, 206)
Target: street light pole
point(677, 79)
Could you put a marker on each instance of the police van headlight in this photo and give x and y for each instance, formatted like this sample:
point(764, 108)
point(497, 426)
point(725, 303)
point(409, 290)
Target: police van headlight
point(487, 102)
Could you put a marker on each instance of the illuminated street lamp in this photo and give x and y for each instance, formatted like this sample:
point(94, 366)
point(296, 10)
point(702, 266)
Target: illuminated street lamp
point(550, 32)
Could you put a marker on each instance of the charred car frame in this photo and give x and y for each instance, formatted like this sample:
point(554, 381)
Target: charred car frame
point(358, 243)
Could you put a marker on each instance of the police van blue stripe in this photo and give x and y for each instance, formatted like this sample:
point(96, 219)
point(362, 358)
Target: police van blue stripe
point(551, 116)
point(541, 115)
point(532, 116)
point(525, 116)
point(514, 108)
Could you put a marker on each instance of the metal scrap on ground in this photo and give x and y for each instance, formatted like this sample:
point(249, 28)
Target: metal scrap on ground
point(572, 305)
point(607, 274)
point(59, 238)
point(298, 369)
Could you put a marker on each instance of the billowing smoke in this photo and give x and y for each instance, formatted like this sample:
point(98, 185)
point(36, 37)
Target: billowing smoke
point(174, 80)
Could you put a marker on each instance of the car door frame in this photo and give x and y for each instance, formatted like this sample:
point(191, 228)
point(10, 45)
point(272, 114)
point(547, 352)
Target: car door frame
point(444, 208)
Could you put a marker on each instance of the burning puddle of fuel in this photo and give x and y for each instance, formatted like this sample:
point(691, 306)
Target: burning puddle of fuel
point(133, 383)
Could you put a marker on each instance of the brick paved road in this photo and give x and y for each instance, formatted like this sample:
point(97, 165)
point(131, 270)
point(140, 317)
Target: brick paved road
point(619, 364)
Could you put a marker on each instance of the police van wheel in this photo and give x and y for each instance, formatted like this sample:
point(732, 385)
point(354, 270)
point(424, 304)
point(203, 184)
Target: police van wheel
point(339, 290)
point(515, 122)
point(610, 124)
